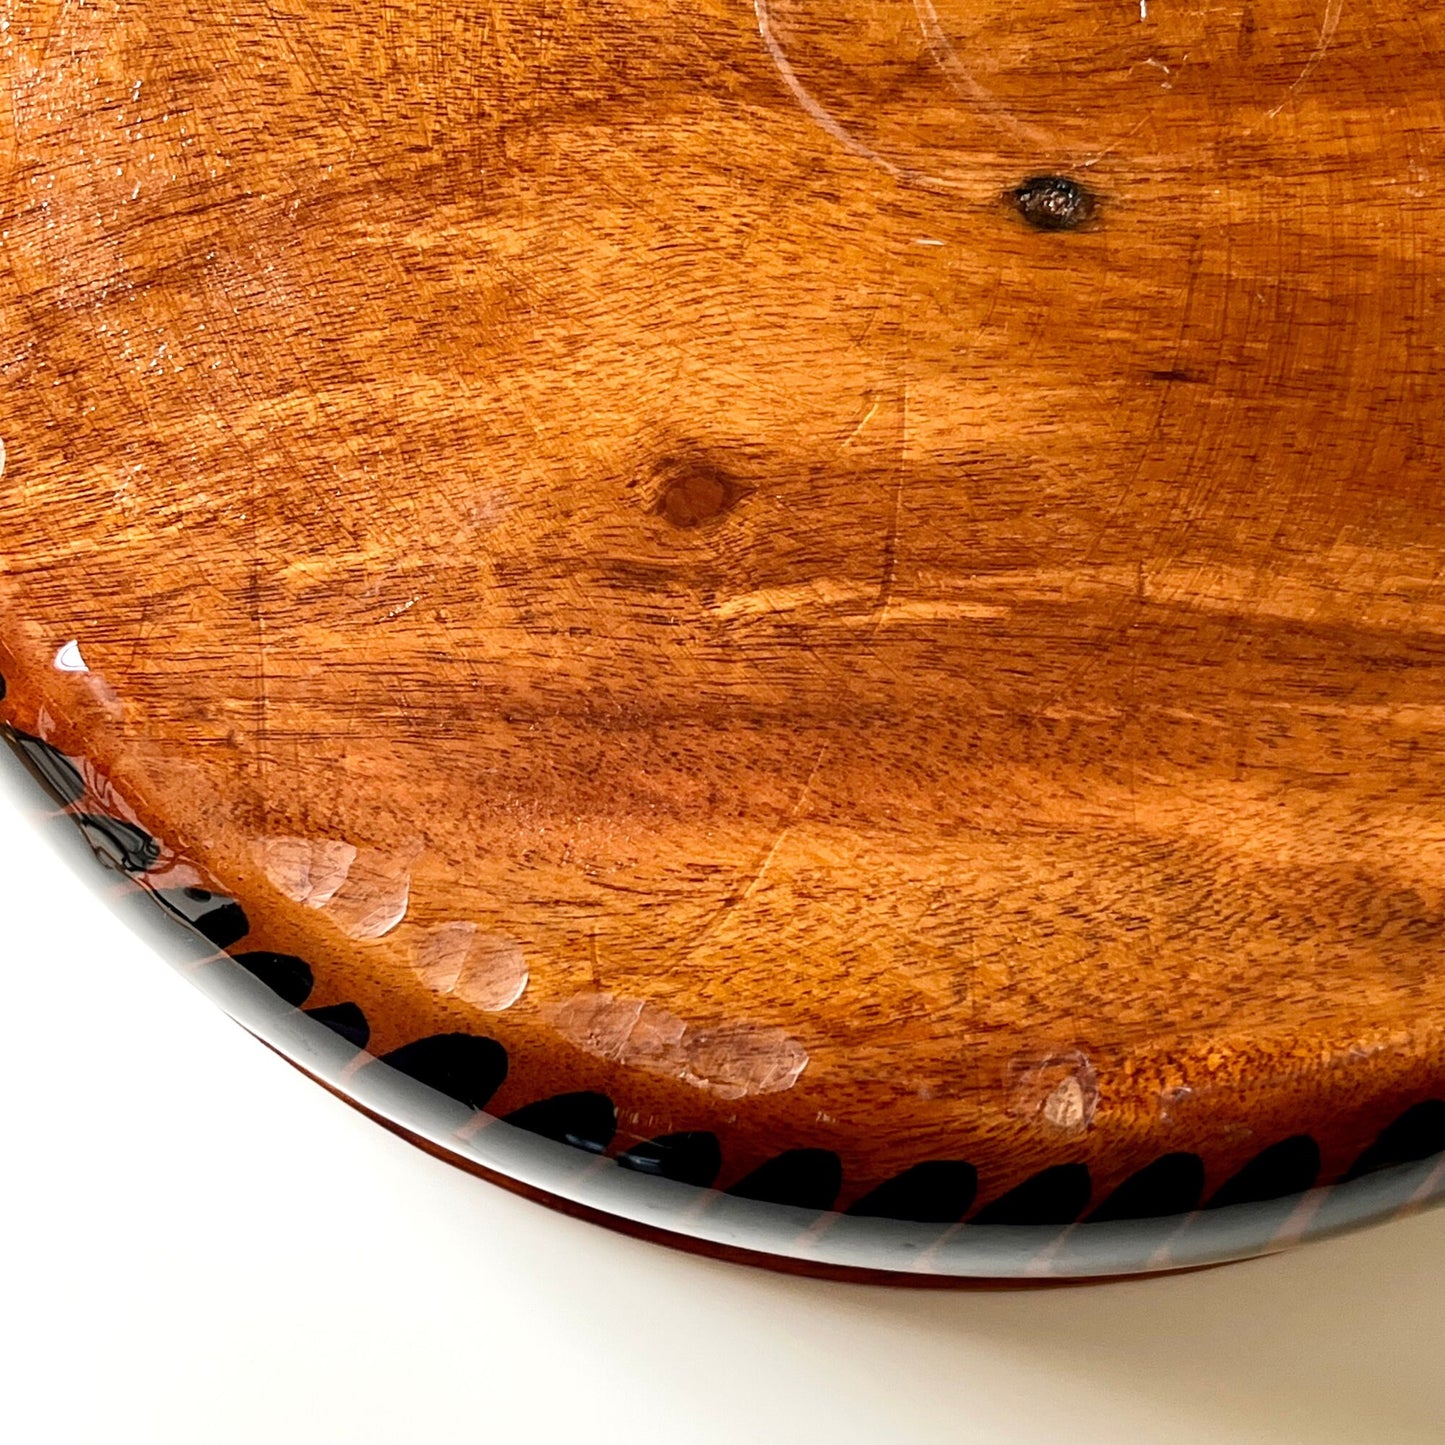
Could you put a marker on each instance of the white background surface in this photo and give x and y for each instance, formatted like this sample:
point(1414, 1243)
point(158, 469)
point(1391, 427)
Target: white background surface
point(202, 1247)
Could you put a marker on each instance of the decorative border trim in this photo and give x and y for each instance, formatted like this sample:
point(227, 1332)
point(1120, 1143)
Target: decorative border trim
point(554, 1148)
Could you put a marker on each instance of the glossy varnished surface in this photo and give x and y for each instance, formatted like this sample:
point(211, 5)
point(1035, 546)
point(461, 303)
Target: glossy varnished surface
point(848, 587)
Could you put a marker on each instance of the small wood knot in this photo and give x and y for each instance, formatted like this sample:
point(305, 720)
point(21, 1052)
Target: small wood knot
point(693, 493)
point(690, 501)
point(1053, 203)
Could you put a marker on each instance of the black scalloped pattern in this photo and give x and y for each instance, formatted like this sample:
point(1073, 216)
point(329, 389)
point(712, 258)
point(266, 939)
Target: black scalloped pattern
point(287, 976)
point(1172, 1184)
point(584, 1120)
point(1056, 1195)
point(803, 1178)
point(938, 1191)
point(464, 1067)
point(693, 1157)
point(346, 1021)
point(57, 774)
point(1418, 1133)
point(1287, 1168)
point(470, 1068)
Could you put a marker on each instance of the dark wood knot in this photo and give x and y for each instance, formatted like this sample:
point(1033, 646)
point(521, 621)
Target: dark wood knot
point(1053, 203)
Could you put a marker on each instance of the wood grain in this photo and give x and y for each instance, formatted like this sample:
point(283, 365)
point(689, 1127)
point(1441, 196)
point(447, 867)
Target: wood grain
point(617, 498)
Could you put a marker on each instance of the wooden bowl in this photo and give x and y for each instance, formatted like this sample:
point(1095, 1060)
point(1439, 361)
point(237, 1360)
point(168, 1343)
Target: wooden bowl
point(813, 627)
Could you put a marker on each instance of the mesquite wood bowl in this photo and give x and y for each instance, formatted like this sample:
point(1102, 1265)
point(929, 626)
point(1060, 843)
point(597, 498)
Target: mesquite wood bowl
point(815, 628)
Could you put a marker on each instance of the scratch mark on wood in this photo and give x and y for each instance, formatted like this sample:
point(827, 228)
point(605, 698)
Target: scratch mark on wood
point(793, 815)
point(818, 113)
point(1330, 23)
point(963, 83)
point(853, 435)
